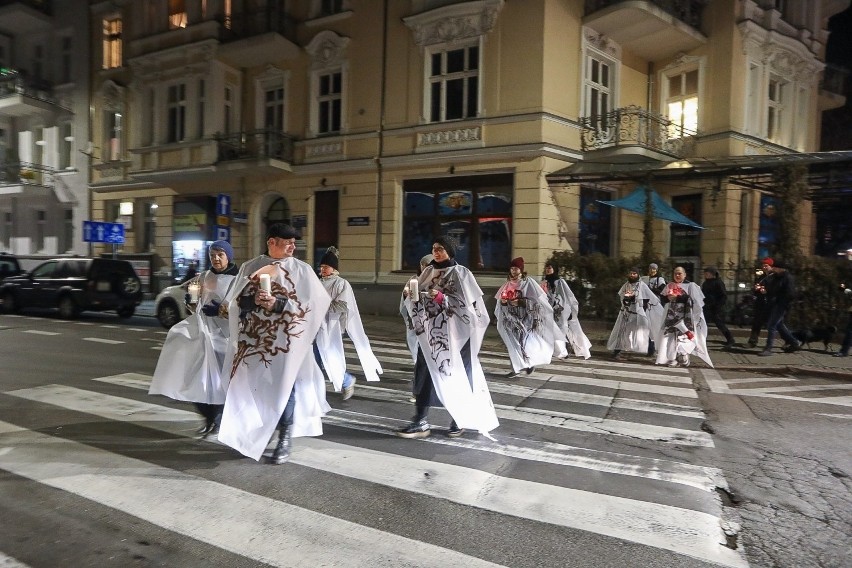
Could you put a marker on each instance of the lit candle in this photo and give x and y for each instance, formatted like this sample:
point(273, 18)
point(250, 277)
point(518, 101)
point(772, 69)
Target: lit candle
point(193, 293)
point(265, 283)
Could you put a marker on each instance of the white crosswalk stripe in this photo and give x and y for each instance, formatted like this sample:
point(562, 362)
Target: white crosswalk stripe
point(670, 505)
point(784, 388)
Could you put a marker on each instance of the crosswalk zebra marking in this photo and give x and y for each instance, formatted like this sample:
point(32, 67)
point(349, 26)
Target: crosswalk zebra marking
point(40, 332)
point(685, 392)
point(102, 340)
point(751, 380)
point(148, 492)
point(9, 562)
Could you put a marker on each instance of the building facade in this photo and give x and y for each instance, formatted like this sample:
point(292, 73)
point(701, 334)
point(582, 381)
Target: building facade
point(44, 114)
point(377, 125)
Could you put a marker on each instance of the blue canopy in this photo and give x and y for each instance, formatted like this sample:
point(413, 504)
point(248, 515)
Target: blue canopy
point(661, 210)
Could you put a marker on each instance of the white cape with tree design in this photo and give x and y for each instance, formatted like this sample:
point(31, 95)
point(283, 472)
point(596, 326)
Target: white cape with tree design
point(271, 354)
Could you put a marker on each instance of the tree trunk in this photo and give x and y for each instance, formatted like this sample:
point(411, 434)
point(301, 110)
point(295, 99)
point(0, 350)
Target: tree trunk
point(791, 186)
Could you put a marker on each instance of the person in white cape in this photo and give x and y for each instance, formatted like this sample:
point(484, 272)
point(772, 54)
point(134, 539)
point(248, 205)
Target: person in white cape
point(566, 311)
point(684, 330)
point(342, 316)
point(275, 309)
point(448, 321)
point(632, 330)
point(190, 363)
point(524, 321)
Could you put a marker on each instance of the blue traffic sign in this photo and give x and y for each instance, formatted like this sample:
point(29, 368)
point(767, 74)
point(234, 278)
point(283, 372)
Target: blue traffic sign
point(223, 233)
point(223, 204)
point(100, 232)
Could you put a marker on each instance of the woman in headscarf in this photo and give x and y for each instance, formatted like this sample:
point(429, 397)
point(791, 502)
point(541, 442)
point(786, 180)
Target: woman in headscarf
point(566, 310)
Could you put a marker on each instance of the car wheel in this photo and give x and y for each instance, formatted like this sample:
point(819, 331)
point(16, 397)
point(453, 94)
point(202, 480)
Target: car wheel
point(67, 308)
point(10, 305)
point(126, 311)
point(168, 314)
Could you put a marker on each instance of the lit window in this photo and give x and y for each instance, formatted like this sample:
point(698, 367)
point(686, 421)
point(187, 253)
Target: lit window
point(177, 14)
point(454, 84)
point(112, 43)
point(775, 112)
point(682, 104)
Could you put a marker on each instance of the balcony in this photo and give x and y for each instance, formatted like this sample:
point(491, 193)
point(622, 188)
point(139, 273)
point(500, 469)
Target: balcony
point(832, 88)
point(260, 38)
point(244, 154)
point(20, 96)
point(628, 133)
point(24, 177)
point(21, 17)
point(653, 30)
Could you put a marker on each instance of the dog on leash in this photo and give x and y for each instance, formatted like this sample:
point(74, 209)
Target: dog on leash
point(824, 334)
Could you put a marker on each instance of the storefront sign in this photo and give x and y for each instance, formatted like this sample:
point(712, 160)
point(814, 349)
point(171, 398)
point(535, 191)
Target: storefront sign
point(358, 221)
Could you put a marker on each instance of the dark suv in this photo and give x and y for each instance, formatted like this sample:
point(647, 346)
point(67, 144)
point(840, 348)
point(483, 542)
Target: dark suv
point(73, 285)
point(9, 266)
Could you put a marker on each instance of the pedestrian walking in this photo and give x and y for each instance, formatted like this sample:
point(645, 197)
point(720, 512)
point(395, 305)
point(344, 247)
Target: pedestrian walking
point(190, 364)
point(847, 336)
point(780, 293)
point(449, 320)
point(715, 300)
point(761, 306)
point(684, 330)
point(656, 283)
point(342, 317)
point(566, 315)
point(275, 308)
point(632, 329)
point(410, 336)
point(524, 321)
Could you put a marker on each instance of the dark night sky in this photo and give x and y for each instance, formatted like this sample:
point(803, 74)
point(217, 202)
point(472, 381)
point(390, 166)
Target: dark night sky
point(839, 48)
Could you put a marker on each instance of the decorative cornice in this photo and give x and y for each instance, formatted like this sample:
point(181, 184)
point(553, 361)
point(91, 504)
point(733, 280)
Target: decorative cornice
point(465, 20)
point(327, 49)
point(450, 137)
point(601, 43)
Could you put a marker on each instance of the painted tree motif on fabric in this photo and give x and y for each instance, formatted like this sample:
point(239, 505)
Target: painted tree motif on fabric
point(266, 334)
point(438, 317)
point(523, 320)
point(557, 303)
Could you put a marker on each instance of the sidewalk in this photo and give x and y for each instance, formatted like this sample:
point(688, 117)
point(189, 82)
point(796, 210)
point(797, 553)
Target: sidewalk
point(812, 362)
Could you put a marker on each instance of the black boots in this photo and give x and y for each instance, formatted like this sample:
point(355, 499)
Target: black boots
point(281, 454)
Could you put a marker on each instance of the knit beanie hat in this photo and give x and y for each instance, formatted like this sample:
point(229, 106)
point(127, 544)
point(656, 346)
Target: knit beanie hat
point(225, 247)
point(448, 243)
point(330, 258)
point(518, 263)
point(281, 231)
point(768, 261)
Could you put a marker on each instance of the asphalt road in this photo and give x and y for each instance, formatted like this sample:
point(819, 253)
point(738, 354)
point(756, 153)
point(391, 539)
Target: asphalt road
point(595, 464)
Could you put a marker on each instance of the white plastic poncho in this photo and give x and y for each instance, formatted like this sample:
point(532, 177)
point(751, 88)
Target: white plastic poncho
point(190, 364)
point(566, 311)
point(272, 354)
point(441, 330)
point(632, 328)
point(527, 329)
point(671, 340)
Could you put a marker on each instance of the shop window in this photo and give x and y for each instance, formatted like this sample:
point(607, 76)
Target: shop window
point(595, 222)
point(476, 212)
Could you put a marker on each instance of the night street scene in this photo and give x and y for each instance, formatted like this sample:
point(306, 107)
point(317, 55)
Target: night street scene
point(426, 283)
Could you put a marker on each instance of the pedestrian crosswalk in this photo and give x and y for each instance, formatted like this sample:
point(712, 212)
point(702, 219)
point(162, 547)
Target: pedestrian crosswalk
point(800, 389)
point(578, 450)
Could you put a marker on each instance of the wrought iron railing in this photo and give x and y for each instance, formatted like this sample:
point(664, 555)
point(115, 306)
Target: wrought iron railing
point(255, 144)
point(272, 19)
point(26, 173)
point(834, 79)
point(635, 126)
point(687, 11)
point(14, 82)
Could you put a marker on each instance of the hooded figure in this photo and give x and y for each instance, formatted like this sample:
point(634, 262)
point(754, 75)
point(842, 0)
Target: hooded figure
point(566, 310)
point(190, 363)
point(524, 320)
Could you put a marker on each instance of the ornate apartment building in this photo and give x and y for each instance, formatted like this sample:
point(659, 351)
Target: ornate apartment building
point(44, 119)
point(376, 125)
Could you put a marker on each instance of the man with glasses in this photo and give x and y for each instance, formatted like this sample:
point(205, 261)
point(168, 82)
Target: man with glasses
point(275, 308)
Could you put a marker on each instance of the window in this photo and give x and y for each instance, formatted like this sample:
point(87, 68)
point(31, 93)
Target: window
point(686, 241)
point(329, 102)
point(454, 84)
point(176, 113)
point(201, 101)
point(177, 14)
point(682, 104)
point(66, 141)
point(38, 61)
point(229, 110)
point(150, 229)
point(40, 226)
point(775, 112)
point(273, 121)
point(598, 83)
point(112, 43)
point(113, 121)
point(476, 211)
point(66, 60)
point(595, 221)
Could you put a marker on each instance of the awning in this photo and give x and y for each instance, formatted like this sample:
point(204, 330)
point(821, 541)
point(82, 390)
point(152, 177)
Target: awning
point(661, 210)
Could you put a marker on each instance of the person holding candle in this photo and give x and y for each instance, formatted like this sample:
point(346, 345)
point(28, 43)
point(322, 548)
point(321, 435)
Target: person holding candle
point(190, 364)
point(274, 380)
point(342, 316)
point(684, 330)
point(632, 330)
point(448, 320)
point(524, 320)
point(412, 288)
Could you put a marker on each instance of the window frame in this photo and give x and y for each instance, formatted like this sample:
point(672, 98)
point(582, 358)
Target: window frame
point(112, 42)
point(176, 112)
point(440, 80)
point(682, 70)
point(592, 55)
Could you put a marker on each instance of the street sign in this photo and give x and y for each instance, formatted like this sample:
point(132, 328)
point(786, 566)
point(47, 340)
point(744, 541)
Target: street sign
point(100, 232)
point(223, 205)
point(223, 234)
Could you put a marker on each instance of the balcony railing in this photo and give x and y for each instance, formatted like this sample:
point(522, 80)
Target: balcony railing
point(634, 126)
point(272, 19)
point(834, 79)
point(13, 82)
point(26, 173)
point(687, 11)
point(255, 144)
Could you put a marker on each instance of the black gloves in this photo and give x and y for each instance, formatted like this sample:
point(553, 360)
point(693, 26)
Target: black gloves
point(211, 309)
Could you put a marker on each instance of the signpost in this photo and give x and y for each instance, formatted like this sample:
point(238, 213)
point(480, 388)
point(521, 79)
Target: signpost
point(223, 217)
point(101, 232)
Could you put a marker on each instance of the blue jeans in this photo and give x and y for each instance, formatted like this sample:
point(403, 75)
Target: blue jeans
point(775, 326)
point(348, 379)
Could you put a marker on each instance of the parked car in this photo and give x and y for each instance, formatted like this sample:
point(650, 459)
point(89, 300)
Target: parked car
point(170, 305)
point(9, 266)
point(73, 285)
